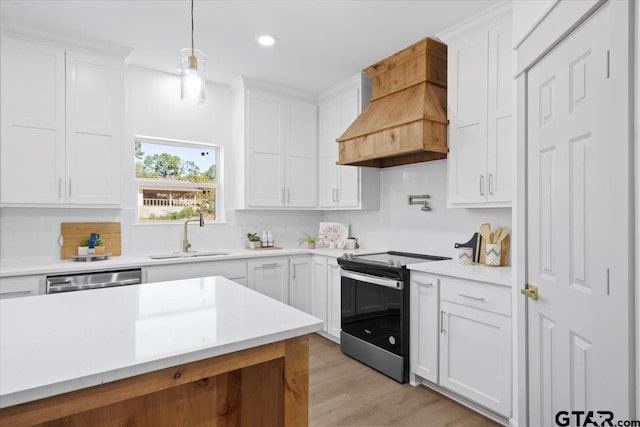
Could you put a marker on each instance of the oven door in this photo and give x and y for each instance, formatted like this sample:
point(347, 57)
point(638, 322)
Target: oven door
point(371, 309)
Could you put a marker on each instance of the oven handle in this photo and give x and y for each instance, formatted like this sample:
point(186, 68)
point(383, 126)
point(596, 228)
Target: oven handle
point(375, 280)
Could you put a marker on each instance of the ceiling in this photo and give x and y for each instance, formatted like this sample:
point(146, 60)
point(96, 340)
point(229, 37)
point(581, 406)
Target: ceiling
point(320, 42)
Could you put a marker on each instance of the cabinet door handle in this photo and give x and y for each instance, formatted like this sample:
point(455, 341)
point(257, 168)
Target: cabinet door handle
point(69, 195)
point(428, 285)
point(333, 194)
point(471, 297)
point(482, 185)
point(491, 183)
point(294, 271)
point(288, 195)
point(442, 331)
point(59, 188)
point(272, 264)
point(337, 195)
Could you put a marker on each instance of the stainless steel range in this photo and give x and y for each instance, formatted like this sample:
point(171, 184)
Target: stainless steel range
point(375, 309)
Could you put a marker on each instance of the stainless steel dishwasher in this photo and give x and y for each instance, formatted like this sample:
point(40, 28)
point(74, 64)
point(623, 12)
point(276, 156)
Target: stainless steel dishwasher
point(95, 280)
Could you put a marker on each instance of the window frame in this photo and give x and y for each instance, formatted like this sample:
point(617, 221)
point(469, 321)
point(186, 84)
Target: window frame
point(150, 183)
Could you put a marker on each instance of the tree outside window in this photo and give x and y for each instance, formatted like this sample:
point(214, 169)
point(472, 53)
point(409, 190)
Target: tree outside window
point(176, 179)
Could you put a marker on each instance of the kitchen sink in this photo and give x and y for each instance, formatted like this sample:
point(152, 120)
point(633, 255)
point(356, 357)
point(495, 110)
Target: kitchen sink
point(174, 255)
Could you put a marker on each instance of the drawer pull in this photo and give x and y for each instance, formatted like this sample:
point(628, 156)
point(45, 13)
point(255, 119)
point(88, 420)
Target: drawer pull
point(428, 285)
point(273, 264)
point(471, 297)
point(442, 331)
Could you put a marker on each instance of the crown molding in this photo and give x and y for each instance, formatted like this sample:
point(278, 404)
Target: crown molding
point(483, 18)
point(63, 41)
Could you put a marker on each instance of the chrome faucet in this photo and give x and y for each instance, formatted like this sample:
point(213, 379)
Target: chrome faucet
point(185, 242)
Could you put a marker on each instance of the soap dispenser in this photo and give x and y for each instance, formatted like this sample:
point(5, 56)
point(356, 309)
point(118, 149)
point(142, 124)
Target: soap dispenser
point(269, 238)
point(264, 240)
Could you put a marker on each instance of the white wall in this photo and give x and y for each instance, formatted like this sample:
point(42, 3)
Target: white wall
point(399, 226)
point(527, 14)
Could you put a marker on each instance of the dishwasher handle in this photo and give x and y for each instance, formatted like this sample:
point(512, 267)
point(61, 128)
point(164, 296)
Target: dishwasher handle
point(105, 279)
point(68, 286)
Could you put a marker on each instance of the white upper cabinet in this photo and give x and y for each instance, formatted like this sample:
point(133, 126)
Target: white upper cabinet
point(61, 125)
point(344, 187)
point(33, 122)
point(275, 141)
point(94, 121)
point(480, 110)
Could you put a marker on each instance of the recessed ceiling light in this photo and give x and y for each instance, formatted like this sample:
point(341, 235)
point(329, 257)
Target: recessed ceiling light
point(266, 40)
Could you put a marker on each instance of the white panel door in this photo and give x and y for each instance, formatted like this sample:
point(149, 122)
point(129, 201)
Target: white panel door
point(334, 292)
point(301, 155)
point(300, 282)
point(265, 134)
point(32, 145)
point(577, 330)
point(94, 137)
point(270, 277)
point(500, 134)
point(468, 111)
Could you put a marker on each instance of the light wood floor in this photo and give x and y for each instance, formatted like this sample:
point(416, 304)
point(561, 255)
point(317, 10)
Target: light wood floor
point(344, 392)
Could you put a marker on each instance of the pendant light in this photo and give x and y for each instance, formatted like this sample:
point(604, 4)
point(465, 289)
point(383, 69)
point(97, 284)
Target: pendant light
point(192, 72)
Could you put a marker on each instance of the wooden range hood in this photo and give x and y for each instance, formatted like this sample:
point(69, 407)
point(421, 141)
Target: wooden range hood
point(406, 119)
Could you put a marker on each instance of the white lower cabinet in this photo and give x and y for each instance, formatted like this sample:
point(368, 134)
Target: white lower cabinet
point(475, 350)
point(424, 327)
point(22, 286)
point(333, 298)
point(300, 280)
point(325, 294)
point(319, 289)
point(233, 270)
point(461, 338)
point(270, 276)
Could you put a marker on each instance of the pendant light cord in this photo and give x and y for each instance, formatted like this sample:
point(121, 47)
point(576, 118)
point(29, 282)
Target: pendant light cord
point(192, 44)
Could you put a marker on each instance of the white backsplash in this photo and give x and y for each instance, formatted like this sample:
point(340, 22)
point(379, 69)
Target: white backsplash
point(399, 226)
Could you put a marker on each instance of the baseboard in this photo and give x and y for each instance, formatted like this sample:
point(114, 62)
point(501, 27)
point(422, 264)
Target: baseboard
point(329, 337)
point(463, 401)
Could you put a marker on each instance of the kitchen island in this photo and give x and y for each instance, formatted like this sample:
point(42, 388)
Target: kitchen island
point(188, 352)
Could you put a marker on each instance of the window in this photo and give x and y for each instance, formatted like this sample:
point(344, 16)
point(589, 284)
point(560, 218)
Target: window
point(176, 179)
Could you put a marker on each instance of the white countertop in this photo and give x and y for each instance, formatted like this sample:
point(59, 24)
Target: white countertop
point(479, 272)
point(31, 266)
point(52, 344)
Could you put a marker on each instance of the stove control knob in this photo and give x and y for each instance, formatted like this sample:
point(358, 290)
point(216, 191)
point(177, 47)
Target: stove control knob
point(391, 262)
point(398, 263)
point(392, 340)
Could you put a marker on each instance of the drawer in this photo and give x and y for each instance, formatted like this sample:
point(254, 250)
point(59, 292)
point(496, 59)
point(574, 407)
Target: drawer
point(493, 298)
point(228, 269)
point(423, 279)
point(13, 287)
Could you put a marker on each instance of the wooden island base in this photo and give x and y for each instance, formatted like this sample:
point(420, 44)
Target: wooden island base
point(266, 386)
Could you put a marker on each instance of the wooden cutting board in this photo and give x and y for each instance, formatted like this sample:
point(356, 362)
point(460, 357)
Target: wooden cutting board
point(73, 232)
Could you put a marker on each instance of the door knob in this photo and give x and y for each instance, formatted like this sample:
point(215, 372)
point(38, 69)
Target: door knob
point(530, 291)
